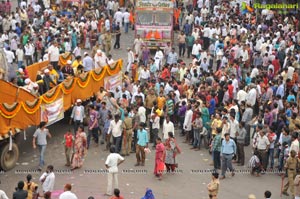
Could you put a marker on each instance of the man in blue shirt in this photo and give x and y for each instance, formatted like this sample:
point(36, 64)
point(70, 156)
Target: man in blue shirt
point(142, 143)
point(228, 150)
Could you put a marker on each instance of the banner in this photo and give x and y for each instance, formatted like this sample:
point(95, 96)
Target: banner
point(52, 112)
point(112, 82)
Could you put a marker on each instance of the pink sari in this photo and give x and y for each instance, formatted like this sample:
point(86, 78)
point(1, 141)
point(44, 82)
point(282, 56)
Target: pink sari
point(159, 159)
point(80, 146)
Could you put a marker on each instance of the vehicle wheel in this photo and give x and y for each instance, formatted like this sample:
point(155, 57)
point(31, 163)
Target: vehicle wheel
point(8, 159)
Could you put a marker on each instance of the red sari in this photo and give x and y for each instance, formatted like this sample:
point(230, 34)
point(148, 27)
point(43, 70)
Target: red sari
point(159, 159)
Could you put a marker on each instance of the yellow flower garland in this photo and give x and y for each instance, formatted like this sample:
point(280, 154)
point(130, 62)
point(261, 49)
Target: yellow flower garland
point(67, 91)
point(51, 99)
point(82, 84)
point(97, 77)
point(33, 110)
point(11, 115)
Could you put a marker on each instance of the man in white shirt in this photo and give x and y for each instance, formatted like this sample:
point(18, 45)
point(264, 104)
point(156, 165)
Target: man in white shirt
point(251, 96)
point(130, 59)
point(77, 115)
point(110, 5)
point(53, 53)
point(144, 76)
point(67, 194)
point(115, 129)
point(187, 124)
point(168, 126)
point(100, 59)
point(294, 144)
point(29, 51)
point(137, 45)
point(241, 95)
point(138, 93)
point(206, 33)
point(112, 162)
point(107, 24)
point(48, 180)
point(118, 17)
point(9, 56)
point(142, 114)
point(204, 13)
point(126, 16)
point(94, 24)
point(196, 48)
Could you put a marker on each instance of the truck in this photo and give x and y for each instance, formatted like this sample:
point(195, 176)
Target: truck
point(154, 22)
point(20, 110)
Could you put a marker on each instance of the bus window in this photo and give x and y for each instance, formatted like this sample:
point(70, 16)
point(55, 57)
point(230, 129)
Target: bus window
point(163, 19)
point(144, 18)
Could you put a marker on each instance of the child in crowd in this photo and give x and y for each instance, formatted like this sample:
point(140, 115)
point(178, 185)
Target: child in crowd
point(255, 164)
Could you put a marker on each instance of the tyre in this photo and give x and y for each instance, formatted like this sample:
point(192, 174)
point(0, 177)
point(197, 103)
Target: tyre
point(8, 159)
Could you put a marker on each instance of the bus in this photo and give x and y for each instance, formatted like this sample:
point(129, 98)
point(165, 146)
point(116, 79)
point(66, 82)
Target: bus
point(154, 22)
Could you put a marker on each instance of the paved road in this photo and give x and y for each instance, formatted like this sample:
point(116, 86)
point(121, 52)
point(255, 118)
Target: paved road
point(91, 180)
point(189, 182)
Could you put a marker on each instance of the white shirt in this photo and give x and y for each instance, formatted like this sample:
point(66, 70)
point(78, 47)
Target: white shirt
point(115, 128)
point(144, 74)
point(262, 142)
point(155, 123)
point(295, 146)
point(290, 72)
point(107, 24)
point(206, 32)
point(29, 49)
point(3, 195)
point(48, 184)
point(142, 114)
point(168, 127)
point(251, 96)
point(118, 16)
point(100, 61)
point(254, 72)
point(187, 125)
point(110, 5)
point(241, 96)
point(94, 25)
point(53, 53)
point(67, 195)
point(10, 56)
point(23, 4)
point(234, 125)
point(196, 49)
point(245, 55)
point(112, 161)
point(130, 58)
point(126, 16)
point(137, 94)
point(37, 8)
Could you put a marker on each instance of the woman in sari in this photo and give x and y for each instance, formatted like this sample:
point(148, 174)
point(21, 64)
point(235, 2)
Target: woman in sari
point(171, 151)
point(159, 158)
point(80, 148)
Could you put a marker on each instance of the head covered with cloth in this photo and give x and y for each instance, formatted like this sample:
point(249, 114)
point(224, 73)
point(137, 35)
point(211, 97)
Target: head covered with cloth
point(148, 194)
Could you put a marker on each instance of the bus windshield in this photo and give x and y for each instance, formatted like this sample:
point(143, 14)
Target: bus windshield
point(145, 18)
point(163, 19)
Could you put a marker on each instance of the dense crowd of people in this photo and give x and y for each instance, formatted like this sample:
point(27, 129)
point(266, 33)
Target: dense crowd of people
point(233, 83)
